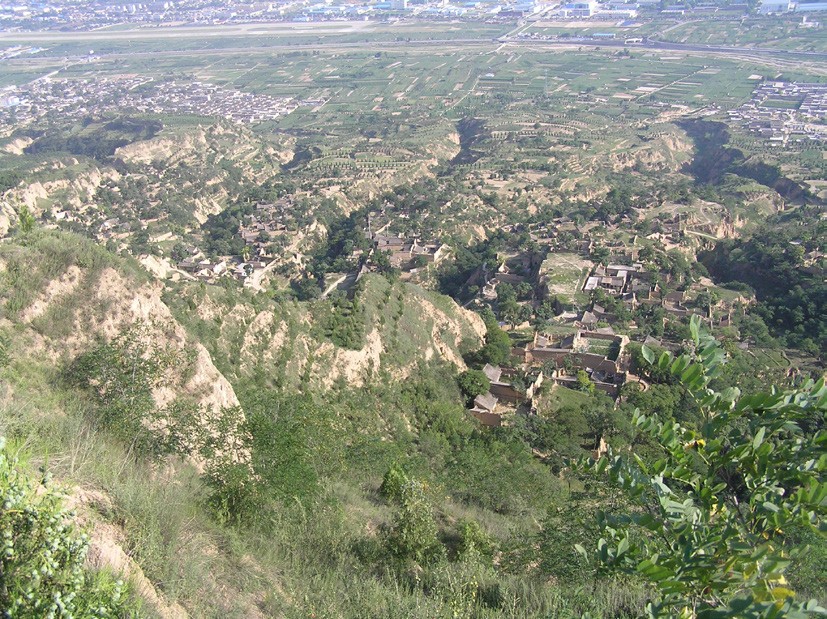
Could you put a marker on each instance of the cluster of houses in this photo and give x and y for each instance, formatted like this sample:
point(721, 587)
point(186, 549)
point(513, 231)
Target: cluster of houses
point(109, 228)
point(77, 98)
point(408, 253)
point(513, 271)
point(89, 15)
point(67, 98)
point(209, 270)
point(503, 397)
point(591, 347)
point(204, 99)
point(405, 252)
point(601, 354)
point(267, 223)
point(784, 111)
point(627, 282)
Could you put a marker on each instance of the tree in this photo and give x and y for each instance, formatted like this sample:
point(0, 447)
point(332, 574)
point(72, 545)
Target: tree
point(120, 377)
point(179, 251)
point(584, 383)
point(524, 291)
point(42, 555)
point(708, 527)
point(509, 310)
point(25, 219)
point(473, 383)
point(706, 300)
point(497, 348)
point(413, 536)
point(600, 254)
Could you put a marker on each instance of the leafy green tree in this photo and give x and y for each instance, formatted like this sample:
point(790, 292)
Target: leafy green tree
point(706, 299)
point(272, 452)
point(25, 219)
point(584, 383)
point(497, 347)
point(509, 310)
point(120, 376)
point(473, 383)
point(306, 288)
point(524, 291)
point(601, 254)
point(708, 529)
point(752, 327)
point(413, 536)
point(42, 555)
point(605, 420)
point(179, 251)
point(139, 244)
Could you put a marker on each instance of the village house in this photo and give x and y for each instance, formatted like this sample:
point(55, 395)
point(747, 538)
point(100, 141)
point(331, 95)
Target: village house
point(503, 398)
point(405, 252)
point(601, 353)
point(616, 279)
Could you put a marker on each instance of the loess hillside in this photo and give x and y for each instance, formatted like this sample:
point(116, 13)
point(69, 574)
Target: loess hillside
point(531, 327)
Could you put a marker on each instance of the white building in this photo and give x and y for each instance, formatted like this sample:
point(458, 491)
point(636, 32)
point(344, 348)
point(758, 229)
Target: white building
point(775, 6)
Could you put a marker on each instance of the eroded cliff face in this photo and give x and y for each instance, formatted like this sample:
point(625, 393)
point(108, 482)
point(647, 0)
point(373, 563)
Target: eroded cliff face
point(66, 186)
point(404, 325)
point(59, 297)
point(107, 549)
point(80, 305)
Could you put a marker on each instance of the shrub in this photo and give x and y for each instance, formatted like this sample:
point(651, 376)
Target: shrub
point(473, 383)
point(42, 555)
point(392, 482)
point(413, 536)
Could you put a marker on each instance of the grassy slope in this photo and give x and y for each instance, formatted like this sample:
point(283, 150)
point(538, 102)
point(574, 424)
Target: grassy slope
point(322, 554)
point(285, 343)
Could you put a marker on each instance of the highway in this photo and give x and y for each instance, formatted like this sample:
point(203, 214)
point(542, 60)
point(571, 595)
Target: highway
point(169, 35)
point(679, 47)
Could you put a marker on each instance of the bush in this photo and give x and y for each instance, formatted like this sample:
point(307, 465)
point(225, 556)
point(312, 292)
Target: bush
point(473, 383)
point(392, 482)
point(413, 536)
point(42, 555)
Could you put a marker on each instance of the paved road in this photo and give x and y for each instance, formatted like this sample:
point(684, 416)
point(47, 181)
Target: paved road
point(263, 30)
point(185, 32)
point(684, 47)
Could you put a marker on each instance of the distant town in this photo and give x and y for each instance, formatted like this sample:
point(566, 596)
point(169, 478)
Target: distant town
point(73, 99)
point(784, 111)
point(66, 15)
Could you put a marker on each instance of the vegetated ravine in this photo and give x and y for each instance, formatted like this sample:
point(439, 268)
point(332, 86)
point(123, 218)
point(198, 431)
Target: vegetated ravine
point(714, 159)
point(471, 132)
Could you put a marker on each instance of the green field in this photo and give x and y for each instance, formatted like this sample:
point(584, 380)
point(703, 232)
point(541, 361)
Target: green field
point(786, 32)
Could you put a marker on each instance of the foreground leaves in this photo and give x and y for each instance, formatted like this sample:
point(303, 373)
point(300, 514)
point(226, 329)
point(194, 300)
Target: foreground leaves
point(707, 529)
